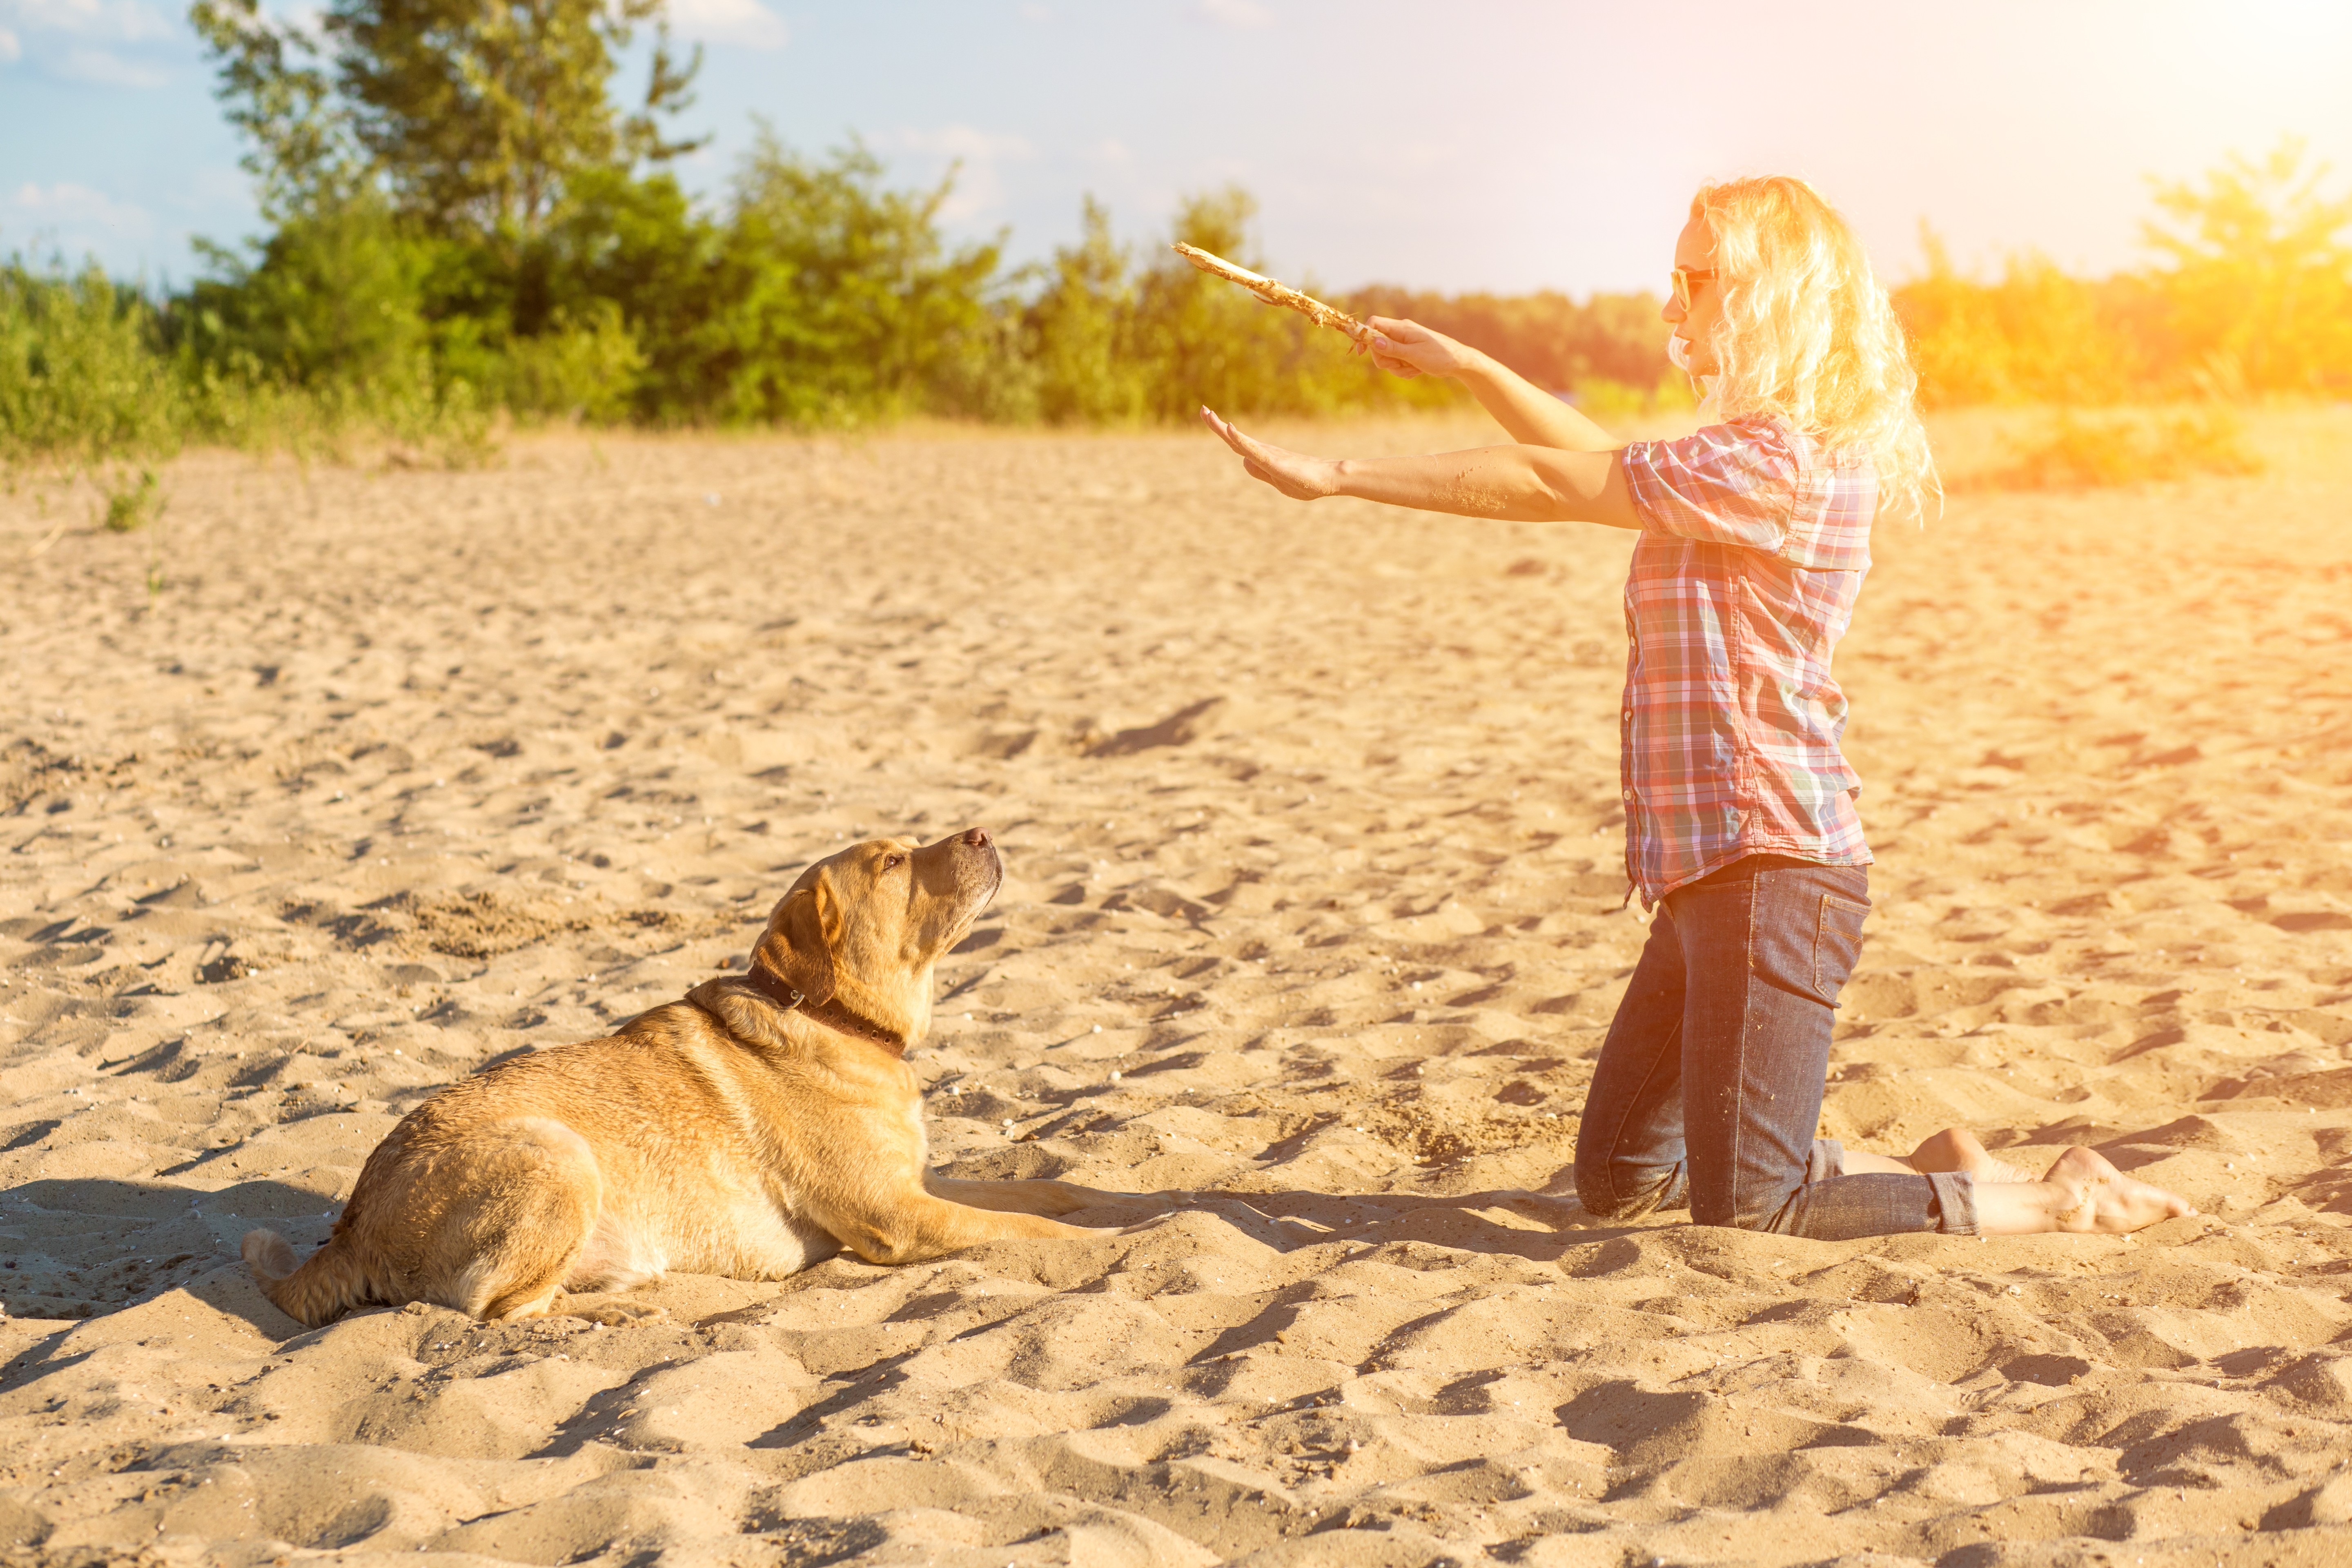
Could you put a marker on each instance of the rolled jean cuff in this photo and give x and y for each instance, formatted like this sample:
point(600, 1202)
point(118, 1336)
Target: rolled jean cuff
point(1955, 1201)
point(1827, 1160)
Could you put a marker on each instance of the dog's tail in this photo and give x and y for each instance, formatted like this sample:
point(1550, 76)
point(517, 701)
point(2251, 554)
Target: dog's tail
point(316, 1291)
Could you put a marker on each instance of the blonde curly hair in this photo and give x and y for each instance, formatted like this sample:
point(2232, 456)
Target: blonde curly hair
point(1808, 335)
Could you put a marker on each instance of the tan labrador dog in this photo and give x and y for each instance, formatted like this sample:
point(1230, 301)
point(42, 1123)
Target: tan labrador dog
point(754, 1127)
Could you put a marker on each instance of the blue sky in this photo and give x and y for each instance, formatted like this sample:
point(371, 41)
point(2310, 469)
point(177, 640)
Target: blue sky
point(1477, 143)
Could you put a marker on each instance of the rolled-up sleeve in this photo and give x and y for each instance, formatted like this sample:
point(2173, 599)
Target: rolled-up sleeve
point(1728, 484)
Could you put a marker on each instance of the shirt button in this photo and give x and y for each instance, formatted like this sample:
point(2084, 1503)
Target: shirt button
point(1629, 794)
point(1629, 715)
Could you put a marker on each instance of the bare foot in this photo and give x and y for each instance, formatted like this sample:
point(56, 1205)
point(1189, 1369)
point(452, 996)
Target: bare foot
point(1957, 1149)
point(2105, 1199)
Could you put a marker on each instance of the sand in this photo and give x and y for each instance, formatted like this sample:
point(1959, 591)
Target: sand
point(1311, 921)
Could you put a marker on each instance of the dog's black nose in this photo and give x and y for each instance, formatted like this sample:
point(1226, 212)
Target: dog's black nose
point(977, 837)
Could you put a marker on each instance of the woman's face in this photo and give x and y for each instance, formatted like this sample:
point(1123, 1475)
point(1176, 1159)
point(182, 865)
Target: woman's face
point(1694, 249)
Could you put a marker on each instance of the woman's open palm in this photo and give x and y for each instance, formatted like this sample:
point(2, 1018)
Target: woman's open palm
point(1294, 473)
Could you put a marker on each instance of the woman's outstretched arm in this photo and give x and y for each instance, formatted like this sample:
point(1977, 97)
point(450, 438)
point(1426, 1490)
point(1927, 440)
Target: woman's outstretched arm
point(1524, 484)
point(1532, 415)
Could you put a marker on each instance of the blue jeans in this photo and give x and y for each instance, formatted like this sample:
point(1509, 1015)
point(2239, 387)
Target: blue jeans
point(1709, 1087)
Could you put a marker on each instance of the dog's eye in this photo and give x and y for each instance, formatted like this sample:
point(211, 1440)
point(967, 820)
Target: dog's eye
point(890, 860)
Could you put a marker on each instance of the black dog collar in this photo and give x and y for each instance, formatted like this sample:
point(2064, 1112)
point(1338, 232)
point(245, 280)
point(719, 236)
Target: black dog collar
point(832, 1015)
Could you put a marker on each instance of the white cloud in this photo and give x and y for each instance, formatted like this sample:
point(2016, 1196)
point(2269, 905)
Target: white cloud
point(73, 217)
point(113, 21)
point(980, 188)
point(1236, 13)
point(744, 23)
point(1033, 12)
point(967, 143)
point(107, 69)
point(114, 43)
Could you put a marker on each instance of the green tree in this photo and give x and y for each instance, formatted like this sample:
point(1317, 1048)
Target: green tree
point(479, 115)
point(2260, 280)
point(1081, 331)
point(1206, 341)
point(275, 90)
point(1198, 340)
point(415, 158)
point(834, 299)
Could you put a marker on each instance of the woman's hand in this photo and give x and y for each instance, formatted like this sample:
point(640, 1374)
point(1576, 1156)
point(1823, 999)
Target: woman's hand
point(1294, 473)
point(1524, 483)
point(1409, 349)
point(1533, 416)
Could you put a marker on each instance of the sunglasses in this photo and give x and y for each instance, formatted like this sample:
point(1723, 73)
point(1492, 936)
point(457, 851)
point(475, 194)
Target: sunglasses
point(1683, 277)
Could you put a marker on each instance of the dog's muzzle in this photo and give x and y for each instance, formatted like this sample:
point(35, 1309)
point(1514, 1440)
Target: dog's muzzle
point(976, 850)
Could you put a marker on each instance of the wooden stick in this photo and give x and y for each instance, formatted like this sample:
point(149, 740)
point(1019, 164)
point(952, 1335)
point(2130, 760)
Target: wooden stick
point(1275, 293)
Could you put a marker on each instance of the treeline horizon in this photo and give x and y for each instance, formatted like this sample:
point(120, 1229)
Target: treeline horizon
point(462, 225)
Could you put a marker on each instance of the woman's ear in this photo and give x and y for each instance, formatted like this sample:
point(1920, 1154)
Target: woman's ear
point(801, 940)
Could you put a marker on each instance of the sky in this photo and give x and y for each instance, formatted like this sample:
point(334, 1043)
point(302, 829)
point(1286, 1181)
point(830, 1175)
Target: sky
point(1472, 144)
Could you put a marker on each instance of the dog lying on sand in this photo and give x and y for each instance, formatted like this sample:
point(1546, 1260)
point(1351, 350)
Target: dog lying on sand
point(752, 1128)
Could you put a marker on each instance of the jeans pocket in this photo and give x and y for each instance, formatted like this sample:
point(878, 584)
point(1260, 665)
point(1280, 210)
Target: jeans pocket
point(1837, 944)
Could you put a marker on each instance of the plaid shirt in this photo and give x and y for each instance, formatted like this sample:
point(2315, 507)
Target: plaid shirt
point(1753, 543)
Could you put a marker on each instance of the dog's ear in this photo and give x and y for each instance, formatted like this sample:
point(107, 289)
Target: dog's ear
point(801, 940)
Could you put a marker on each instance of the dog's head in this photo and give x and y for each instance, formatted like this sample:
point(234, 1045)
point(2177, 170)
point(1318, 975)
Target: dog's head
point(862, 929)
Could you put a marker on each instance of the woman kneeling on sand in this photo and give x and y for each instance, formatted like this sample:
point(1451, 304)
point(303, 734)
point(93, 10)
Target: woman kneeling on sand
point(1740, 828)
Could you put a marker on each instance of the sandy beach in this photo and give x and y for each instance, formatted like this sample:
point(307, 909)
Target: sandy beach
point(1312, 923)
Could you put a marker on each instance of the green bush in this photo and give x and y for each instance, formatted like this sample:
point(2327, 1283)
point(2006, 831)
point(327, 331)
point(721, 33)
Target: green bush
point(2253, 296)
point(2073, 451)
point(583, 371)
point(135, 505)
point(1616, 340)
point(336, 296)
point(84, 384)
point(813, 293)
point(832, 300)
point(636, 248)
point(1611, 403)
point(340, 323)
point(1078, 335)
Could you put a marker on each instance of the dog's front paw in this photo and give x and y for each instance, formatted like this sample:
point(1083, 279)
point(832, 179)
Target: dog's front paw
point(617, 1314)
point(1145, 1227)
point(1059, 1198)
point(1117, 1211)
